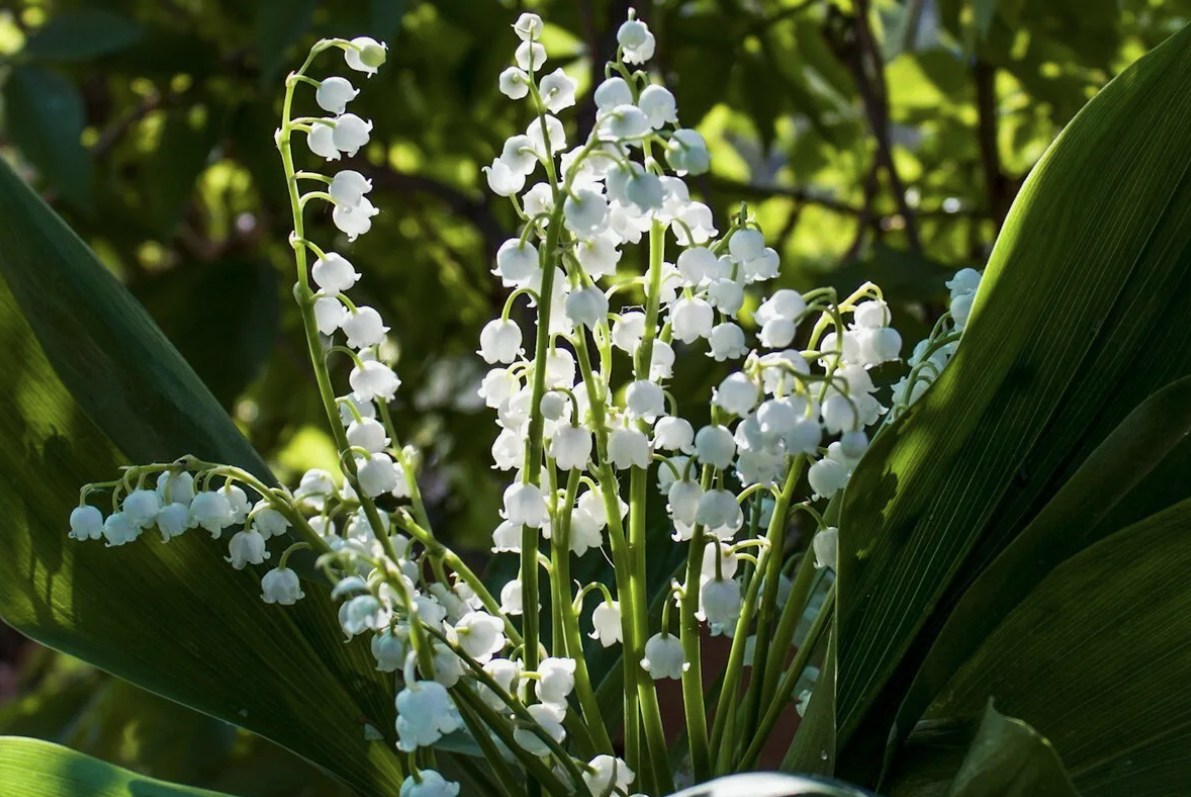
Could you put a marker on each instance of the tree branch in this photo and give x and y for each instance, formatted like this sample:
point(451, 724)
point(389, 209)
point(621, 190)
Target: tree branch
point(1000, 191)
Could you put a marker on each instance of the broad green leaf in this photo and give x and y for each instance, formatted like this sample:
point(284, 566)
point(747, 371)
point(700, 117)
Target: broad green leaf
point(1070, 522)
point(82, 34)
point(43, 113)
point(174, 619)
point(1070, 332)
point(278, 26)
point(223, 318)
point(1008, 758)
point(33, 768)
point(813, 750)
point(1096, 659)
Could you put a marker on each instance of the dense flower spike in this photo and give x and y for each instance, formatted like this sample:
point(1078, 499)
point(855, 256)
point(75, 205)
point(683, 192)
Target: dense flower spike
point(576, 431)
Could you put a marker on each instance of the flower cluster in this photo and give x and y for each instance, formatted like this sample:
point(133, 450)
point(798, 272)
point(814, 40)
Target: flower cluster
point(579, 432)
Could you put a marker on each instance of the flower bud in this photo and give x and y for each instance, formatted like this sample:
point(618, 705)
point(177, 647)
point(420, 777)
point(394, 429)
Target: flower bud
point(365, 55)
point(334, 93)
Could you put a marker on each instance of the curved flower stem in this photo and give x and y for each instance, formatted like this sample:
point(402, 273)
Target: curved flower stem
point(606, 479)
point(693, 702)
point(573, 638)
point(789, 681)
point(783, 637)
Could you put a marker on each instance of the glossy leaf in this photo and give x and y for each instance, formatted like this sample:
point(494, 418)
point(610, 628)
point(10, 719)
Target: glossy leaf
point(1096, 659)
point(82, 34)
point(33, 768)
point(1070, 332)
point(174, 619)
point(1008, 758)
point(1069, 523)
point(44, 116)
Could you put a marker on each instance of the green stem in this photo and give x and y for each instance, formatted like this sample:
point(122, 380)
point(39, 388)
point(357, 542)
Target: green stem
point(786, 690)
point(693, 700)
point(792, 612)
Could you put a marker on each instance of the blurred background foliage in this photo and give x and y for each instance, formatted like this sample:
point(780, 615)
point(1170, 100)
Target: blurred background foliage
point(875, 139)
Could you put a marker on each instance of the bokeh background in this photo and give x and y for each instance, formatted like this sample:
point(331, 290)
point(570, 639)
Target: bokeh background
point(874, 139)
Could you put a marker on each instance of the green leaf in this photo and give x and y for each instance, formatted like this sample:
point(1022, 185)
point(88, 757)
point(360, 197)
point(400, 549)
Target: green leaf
point(1070, 522)
point(1008, 758)
point(33, 768)
point(1070, 331)
point(81, 35)
point(43, 112)
point(223, 317)
point(278, 25)
point(1096, 659)
point(174, 619)
point(813, 749)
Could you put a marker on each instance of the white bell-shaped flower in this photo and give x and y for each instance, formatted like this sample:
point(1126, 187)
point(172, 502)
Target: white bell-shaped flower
point(556, 680)
point(500, 341)
point(664, 657)
point(645, 191)
point(368, 434)
point(505, 673)
point(376, 475)
point(839, 414)
point(645, 400)
point(714, 446)
point(571, 447)
point(613, 92)
point(530, 56)
point(726, 295)
point(674, 434)
point(355, 221)
point(211, 511)
point(826, 545)
point(606, 623)
point(826, 477)
point(516, 262)
point(364, 328)
point(746, 244)
point(607, 775)
point(557, 90)
point(777, 333)
point(329, 314)
point(586, 307)
point(86, 523)
point(554, 405)
point(507, 450)
point(365, 55)
point(720, 601)
point(965, 281)
point(696, 264)
point(736, 394)
point(428, 784)
point(556, 135)
point(245, 548)
point(871, 314)
point(879, 345)
point(524, 505)
point(141, 507)
point(628, 330)
point(628, 448)
point(512, 593)
point(334, 93)
point(687, 153)
point(348, 188)
point(661, 365)
point(350, 133)
point(389, 649)
point(173, 521)
point(961, 309)
point(514, 83)
point(598, 255)
point(550, 718)
point(519, 155)
point(691, 318)
point(854, 444)
point(373, 380)
point(175, 488)
point(334, 274)
point(625, 122)
point(659, 106)
point(717, 509)
point(636, 41)
point(528, 27)
point(425, 713)
point(685, 496)
point(364, 613)
point(119, 530)
point(267, 520)
point(281, 585)
point(502, 180)
point(727, 342)
point(321, 141)
point(585, 212)
point(480, 635)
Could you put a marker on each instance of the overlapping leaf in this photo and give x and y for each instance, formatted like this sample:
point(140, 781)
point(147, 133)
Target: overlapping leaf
point(1070, 332)
point(174, 619)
